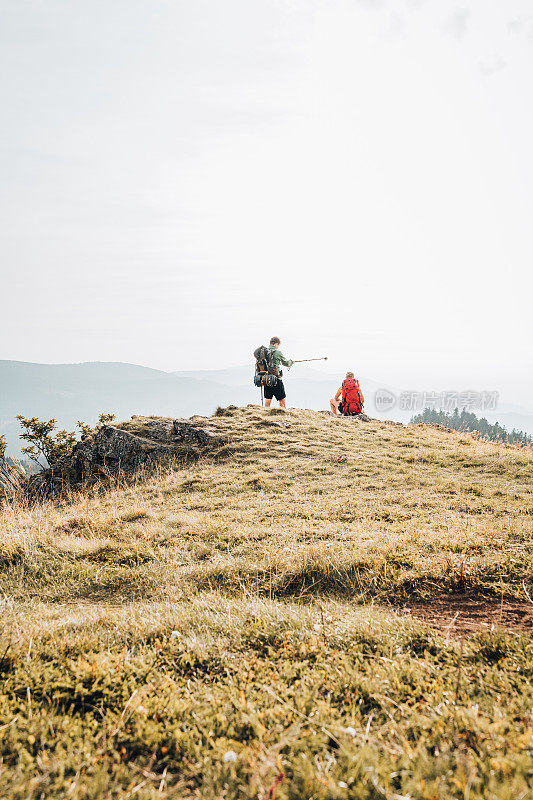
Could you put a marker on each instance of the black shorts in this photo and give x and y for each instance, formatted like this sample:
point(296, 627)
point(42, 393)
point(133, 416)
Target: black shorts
point(277, 391)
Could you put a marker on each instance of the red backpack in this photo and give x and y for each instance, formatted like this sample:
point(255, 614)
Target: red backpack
point(352, 399)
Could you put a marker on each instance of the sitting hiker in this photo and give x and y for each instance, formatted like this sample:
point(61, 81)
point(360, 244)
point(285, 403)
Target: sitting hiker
point(277, 391)
point(349, 398)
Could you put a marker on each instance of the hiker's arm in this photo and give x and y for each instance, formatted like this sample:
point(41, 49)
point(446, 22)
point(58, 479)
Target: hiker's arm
point(287, 362)
point(339, 392)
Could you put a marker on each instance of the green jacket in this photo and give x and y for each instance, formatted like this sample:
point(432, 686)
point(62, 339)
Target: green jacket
point(278, 358)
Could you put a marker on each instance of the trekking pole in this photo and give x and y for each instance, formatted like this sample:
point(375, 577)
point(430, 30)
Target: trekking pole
point(301, 360)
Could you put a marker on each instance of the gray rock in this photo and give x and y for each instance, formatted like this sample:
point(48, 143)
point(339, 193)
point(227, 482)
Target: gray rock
point(111, 451)
point(193, 432)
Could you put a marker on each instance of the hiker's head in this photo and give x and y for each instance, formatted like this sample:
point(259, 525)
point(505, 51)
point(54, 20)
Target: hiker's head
point(350, 375)
point(275, 342)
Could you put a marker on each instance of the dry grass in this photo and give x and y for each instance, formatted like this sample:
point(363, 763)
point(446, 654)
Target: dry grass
point(282, 563)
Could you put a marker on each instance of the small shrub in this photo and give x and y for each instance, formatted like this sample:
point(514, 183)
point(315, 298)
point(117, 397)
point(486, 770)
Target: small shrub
point(51, 445)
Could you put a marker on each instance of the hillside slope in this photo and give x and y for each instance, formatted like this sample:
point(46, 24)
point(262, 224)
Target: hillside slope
point(247, 625)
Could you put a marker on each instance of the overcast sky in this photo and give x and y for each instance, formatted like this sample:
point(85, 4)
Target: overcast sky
point(182, 179)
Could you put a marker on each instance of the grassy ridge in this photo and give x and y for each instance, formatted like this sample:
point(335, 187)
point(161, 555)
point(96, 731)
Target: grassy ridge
point(246, 604)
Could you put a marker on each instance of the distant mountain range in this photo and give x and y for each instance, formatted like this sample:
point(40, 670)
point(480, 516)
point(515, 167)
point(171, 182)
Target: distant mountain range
point(72, 392)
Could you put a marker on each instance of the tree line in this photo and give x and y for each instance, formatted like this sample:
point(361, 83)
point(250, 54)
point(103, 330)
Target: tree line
point(467, 421)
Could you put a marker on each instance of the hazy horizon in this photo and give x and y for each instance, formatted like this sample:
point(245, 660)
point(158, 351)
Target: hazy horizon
point(72, 392)
point(313, 371)
point(182, 181)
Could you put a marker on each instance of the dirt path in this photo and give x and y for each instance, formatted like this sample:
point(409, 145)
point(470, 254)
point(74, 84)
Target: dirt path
point(467, 613)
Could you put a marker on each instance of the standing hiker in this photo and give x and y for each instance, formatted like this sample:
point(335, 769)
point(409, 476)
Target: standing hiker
point(277, 391)
point(349, 398)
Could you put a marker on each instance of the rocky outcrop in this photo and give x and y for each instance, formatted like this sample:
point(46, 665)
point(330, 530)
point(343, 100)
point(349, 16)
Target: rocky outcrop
point(359, 417)
point(194, 433)
point(123, 450)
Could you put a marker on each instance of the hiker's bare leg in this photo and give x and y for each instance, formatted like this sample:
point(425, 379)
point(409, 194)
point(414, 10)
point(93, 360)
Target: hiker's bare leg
point(282, 404)
point(267, 403)
point(334, 405)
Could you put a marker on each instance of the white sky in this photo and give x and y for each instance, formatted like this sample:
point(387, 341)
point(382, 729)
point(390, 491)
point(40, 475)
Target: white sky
point(182, 179)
